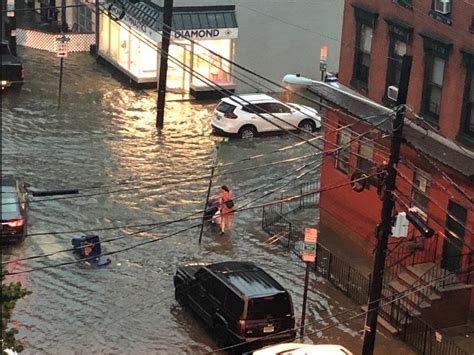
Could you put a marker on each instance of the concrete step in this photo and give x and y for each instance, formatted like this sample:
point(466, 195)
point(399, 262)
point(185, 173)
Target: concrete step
point(429, 293)
point(383, 323)
point(418, 271)
point(405, 302)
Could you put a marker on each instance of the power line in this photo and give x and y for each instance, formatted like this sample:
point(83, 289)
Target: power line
point(287, 199)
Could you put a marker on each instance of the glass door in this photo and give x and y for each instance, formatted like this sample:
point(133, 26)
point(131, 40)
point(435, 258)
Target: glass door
point(178, 77)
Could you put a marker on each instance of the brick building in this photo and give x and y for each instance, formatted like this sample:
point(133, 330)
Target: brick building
point(436, 171)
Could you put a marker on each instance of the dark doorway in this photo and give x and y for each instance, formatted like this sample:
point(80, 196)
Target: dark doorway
point(453, 245)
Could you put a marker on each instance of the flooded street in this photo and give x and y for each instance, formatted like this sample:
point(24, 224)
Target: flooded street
point(103, 142)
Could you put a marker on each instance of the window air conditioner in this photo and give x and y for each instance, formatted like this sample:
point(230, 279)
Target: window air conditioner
point(392, 92)
point(443, 6)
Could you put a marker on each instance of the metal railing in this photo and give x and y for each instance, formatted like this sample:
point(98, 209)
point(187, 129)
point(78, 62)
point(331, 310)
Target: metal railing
point(411, 329)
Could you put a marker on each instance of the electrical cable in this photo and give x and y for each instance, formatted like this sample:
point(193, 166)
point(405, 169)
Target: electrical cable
point(286, 199)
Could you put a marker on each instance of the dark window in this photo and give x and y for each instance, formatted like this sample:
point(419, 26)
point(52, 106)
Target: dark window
point(234, 304)
point(420, 190)
point(275, 107)
point(366, 153)
point(344, 144)
point(256, 108)
point(362, 54)
point(468, 110)
point(278, 306)
point(405, 3)
point(396, 51)
point(225, 107)
point(433, 85)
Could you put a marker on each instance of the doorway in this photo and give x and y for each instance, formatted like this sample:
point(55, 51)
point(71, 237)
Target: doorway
point(455, 230)
point(178, 79)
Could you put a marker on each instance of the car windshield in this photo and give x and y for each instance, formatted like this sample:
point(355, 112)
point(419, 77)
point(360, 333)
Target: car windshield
point(225, 107)
point(9, 203)
point(278, 306)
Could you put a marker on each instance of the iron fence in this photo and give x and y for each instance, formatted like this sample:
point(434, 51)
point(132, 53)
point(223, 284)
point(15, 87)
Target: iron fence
point(411, 329)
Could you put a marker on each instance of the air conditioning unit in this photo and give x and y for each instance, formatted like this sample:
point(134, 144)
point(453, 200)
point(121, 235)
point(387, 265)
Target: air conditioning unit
point(392, 92)
point(442, 6)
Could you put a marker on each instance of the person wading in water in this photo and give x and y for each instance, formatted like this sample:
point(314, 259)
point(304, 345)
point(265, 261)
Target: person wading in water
point(226, 205)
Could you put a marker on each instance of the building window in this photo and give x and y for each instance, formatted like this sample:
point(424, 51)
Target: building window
point(441, 11)
point(397, 50)
point(362, 55)
point(344, 152)
point(365, 157)
point(420, 190)
point(467, 126)
point(433, 85)
point(405, 3)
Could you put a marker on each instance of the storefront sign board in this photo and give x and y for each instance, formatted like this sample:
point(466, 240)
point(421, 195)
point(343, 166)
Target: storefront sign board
point(208, 33)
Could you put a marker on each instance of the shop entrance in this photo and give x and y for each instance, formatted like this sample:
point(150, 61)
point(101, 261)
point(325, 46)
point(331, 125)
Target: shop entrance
point(178, 78)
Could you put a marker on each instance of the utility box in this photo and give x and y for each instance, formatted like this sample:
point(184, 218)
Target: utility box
point(400, 228)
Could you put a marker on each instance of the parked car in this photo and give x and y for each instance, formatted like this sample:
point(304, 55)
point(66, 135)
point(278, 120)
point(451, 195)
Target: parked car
point(303, 349)
point(14, 209)
point(242, 116)
point(13, 73)
point(238, 301)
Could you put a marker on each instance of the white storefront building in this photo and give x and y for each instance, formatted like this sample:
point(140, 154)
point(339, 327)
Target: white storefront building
point(271, 37)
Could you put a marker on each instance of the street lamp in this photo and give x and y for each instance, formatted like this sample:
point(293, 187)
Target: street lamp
point(297, 79)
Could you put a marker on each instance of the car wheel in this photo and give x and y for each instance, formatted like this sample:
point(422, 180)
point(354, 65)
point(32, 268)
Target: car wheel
point(307, 126)
point(247, 132)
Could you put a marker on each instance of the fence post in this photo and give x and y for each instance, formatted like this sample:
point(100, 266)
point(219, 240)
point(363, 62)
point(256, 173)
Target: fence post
point(405, 325)
point(301, 196)
point(424, 340)
point(329, 266)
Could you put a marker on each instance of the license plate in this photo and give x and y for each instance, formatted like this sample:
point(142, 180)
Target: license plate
point(268, 329)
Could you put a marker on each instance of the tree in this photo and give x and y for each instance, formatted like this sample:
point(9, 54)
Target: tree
point(11, 293)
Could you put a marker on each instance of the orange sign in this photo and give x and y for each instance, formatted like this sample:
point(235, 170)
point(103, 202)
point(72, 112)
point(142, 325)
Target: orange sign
point(323, 54)
point(310, 241)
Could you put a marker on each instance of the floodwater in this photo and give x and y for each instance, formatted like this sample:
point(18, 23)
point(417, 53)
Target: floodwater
point(103, 142)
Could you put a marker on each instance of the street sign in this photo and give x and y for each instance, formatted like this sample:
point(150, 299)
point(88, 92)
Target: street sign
point(62, 46)
point(323, 58)
point(439, 337)
point(310, 241)
point(10, 8)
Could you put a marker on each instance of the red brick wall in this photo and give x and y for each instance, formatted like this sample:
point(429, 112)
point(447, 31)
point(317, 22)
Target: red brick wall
point(361, 211)
point(455, 71)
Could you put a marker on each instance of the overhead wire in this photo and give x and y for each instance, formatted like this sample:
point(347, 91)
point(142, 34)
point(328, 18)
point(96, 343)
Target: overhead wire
point(286, 199)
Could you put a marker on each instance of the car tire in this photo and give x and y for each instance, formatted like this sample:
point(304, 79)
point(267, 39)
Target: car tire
point(247, 132)
point(307, 126)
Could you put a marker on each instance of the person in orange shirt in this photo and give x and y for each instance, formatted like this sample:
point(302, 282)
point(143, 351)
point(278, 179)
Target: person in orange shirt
point(226, 205)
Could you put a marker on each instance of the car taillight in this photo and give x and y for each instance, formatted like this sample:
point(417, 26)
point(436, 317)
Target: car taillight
point(23, 72)
point(15, 223)
point(241, 329)
point(230, 115)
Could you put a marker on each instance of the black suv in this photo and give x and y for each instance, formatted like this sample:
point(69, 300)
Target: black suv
point(239, 302)
point(14, 209)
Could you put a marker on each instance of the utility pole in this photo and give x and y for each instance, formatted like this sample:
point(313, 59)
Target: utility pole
point(385, 226)
point(165, 44)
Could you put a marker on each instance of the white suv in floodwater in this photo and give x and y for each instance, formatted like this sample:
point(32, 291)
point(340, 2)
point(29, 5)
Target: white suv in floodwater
point(247, 115)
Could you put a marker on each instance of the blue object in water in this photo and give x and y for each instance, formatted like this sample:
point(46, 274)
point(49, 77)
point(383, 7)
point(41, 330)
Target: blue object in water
point(88, 247)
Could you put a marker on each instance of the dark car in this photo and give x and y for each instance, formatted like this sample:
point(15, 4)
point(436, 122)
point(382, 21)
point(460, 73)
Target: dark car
point(14, 209)
point(13, 73)
point(239, 302)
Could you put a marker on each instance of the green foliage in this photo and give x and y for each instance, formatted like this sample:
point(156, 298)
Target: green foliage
point(11, 293)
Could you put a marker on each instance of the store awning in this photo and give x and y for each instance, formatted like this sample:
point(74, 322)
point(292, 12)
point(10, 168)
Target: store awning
point(204, 20)
point(196, 22)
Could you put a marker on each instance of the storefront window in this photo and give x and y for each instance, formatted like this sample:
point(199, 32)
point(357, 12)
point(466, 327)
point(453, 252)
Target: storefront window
point(147, 61)
point(212, 66)
point(135, 55)
point(104, 33)
point(114, 40)
point(124, 51)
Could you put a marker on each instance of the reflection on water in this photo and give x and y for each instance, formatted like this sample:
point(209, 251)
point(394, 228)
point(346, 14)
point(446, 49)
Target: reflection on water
point(103, 137)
